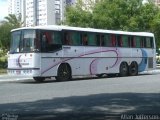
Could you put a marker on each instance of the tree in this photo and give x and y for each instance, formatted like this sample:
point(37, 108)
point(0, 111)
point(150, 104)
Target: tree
point(5, 36)
point(10, 22)
point(14, 21)
point(127, 15)
point(78, 15)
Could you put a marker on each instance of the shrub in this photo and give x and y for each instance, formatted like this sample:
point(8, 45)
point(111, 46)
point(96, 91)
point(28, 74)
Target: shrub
point(3, 61)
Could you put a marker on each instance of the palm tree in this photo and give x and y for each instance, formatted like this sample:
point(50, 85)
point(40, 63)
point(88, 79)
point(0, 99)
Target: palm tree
point(14, 21)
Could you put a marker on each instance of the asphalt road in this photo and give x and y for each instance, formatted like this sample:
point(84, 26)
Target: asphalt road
point(82, 99)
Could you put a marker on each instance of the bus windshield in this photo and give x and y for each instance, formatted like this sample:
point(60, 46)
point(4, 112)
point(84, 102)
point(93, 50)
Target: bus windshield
point(23, 41)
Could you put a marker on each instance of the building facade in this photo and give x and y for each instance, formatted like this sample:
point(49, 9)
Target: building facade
point(14, 7)
point(41, 12)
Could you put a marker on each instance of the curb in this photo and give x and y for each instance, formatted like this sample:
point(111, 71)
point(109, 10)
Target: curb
point(6, 78)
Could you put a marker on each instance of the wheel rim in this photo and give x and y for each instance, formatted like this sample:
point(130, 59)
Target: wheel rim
point(124, 68)
point(64, 73)
point(133, 69)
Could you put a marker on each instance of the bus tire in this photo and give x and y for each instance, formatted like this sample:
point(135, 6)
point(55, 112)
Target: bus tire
point(64, 73)
point(123, 69)
point(39, 79)
point(133, 69)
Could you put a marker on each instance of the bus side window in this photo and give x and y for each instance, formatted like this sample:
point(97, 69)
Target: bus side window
point(76, 38)
point(145, 42)
point(98, 40)
point(149, 43)
point(119, 41)
point(125, 41)
point(48, 37)
point(132, 41)
point(56, 38)
point(67, 38)
point(113, 40)
point(142, 42)
point(102, 40)
point(85, 39)
point(44, 43)
point(108, 40)
point(92, 39)
point(138, 41)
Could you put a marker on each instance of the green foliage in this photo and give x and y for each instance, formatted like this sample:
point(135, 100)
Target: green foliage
point(127, 15)
point(14, 21)
point(10, 22)
point(3, 60)
point(5, 35)
point(78, 15)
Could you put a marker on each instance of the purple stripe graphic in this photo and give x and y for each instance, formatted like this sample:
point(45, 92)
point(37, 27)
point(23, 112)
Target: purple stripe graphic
point(81, 56)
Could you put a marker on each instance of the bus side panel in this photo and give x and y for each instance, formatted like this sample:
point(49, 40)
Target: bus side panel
point(151, 64)
point(49, 63)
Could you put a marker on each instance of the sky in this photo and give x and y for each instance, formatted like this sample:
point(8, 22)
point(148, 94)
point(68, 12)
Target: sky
point(3, 9)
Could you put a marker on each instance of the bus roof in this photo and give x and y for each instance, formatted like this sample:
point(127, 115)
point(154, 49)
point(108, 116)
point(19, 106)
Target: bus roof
point(59, 28)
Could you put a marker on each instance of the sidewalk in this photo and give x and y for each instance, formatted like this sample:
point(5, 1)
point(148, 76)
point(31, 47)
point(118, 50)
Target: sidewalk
point(7, 78)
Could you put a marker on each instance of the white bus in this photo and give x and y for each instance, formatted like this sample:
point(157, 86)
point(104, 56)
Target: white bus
point(63, 52)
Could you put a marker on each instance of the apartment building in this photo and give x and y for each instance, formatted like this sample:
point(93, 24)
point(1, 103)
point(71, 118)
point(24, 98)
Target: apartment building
point(14, 7)
point(41, 12)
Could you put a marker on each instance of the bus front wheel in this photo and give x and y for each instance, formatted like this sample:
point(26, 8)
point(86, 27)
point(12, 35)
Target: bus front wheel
point(123, 70)
point(64, 73)
point(39, 79)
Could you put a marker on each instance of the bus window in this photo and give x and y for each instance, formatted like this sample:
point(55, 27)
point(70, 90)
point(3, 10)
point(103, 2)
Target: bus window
point(85, 39)
point(113, 37)
point(67, 38)
point(143, 42)
point(102, 40)
point(119, 41)
point(76, 38)
point(92, 39)
point(107, 40)
point(15, 41)
point(132, 41)
point(98, 40)
point(138, 41)
point(125, 41)
point(56, 38)
point(148, 42)
point(151, 40)
point(27, 44)
point(51, 41)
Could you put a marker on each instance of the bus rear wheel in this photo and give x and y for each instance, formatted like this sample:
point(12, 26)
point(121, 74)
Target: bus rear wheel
point(123, 70)
point(64, 73)
point(39, 79)
point(133, 69)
